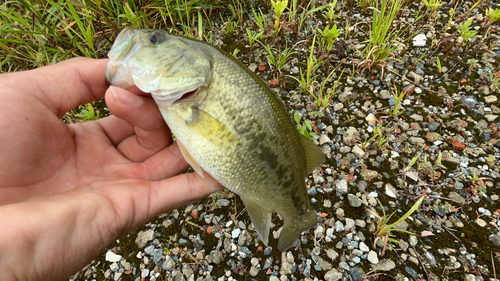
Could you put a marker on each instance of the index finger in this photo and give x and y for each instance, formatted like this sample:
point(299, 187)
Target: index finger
point(65, 85)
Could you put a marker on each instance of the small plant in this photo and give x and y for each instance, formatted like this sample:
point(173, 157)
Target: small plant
point(278, 7)
point(438, 64)
point(466, 32)
point(322, 99)
point(252, 37)
point(330, 11)
point(384, 229)
point(276, 58)
point(306, 128)
point(230, 28)
point(398, 99)
point(493, 15)
point(88, 113)
point(260, 19)
point(306, 81)
point(235, 52)
point(328, 36)
point(381, 44)
point(432, 5)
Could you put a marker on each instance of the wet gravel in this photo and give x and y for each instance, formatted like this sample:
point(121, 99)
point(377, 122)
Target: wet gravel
point(449, 119)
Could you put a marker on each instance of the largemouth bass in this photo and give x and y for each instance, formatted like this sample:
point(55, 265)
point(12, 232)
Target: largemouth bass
point(227, 121)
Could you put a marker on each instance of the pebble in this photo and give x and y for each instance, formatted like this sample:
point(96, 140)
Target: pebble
point(333, 275)
point(341, 186)
point(253, 271)
point(235, 233)
point(390, 190)
point(144, 237)
point(481, 222)
point(372, 257)
point(386, 265)
point(495, 239)
point(356, 273)
point(324, 139)
point(112, 257)
point(354, 201)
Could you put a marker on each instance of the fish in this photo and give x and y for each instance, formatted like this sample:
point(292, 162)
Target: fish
point(227, 122)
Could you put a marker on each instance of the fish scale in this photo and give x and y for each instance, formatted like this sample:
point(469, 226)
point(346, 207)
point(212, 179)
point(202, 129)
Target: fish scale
point(233, 127)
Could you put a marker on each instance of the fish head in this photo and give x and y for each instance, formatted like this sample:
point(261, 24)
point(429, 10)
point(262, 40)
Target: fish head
point(172, 68)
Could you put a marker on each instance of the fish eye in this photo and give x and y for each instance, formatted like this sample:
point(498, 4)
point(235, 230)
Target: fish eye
point(157, 37)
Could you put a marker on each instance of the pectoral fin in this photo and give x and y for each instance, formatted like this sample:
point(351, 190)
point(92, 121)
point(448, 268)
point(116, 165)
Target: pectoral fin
point(314, 156)
point(210, 128)
point(261, 219)
point(196, 167)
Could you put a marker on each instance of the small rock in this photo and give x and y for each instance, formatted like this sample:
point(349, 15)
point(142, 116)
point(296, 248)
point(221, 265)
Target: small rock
point(253, 271)
point(235, 233)
point(386, 265)
point(324, 139)
point(112, 257)
point(433, 126)
point(490, 99)
point(333, 275)
point(413, 240)
point(358, 152)
point(144, 237)
point(356, 273)
point(419, 40)
point(481, 222)
point(363, 247)
point(416, 141)
point(430, 258)
point(495, 239)
point(341, 186)
point(114, 266)
point(417, 117)
point(455, 196)
point(372, 257)
point(223, 202)
point(338, 106)
point(470, 101)
point(384, 94)
point(354, 201)
point(390, 190)
point(457, 145)
point(332, 254)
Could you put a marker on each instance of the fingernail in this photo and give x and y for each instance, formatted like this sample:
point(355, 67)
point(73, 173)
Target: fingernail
point(126, 98)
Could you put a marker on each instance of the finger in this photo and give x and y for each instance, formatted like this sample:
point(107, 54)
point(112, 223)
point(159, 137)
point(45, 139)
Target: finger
point(179, 191)
point(167, 163)
point(151, 132)
point(65, 85)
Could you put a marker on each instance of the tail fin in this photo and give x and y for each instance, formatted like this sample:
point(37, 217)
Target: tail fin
point(292, 229)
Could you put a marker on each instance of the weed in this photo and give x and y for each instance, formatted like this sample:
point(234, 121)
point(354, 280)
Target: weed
point(260, 20)
point(252, 37)
point(306, 81)
point(384, 230)
point(438, 64)
point(432, 5)
point(230, 28)
point(276, 58)
point(321, 99)
point(330, 11)
point(328, 36)
point(278, 8)
point(466, 32)
point(398, 99)
point(493, 15)
point(87, 113)
point(381, 44)
point(306, 128)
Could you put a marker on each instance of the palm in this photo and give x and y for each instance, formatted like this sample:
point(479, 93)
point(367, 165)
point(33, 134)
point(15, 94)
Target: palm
point(95, 180)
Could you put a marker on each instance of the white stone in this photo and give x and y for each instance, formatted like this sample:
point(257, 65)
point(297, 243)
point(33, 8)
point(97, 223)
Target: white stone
point(419, 40)
point(323, 139)
point(112, 257)
point(358, 151)
point(372, 257)
point(363, 247)
point(390, 191)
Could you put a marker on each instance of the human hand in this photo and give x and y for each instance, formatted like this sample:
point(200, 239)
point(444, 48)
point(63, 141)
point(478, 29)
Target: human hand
point(67, 192)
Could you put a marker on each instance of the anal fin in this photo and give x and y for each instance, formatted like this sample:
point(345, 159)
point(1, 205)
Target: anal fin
point(261, 219)
point(190, 160)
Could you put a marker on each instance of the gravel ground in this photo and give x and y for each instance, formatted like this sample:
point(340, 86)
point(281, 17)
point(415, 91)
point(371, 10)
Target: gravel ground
point(449, 119)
